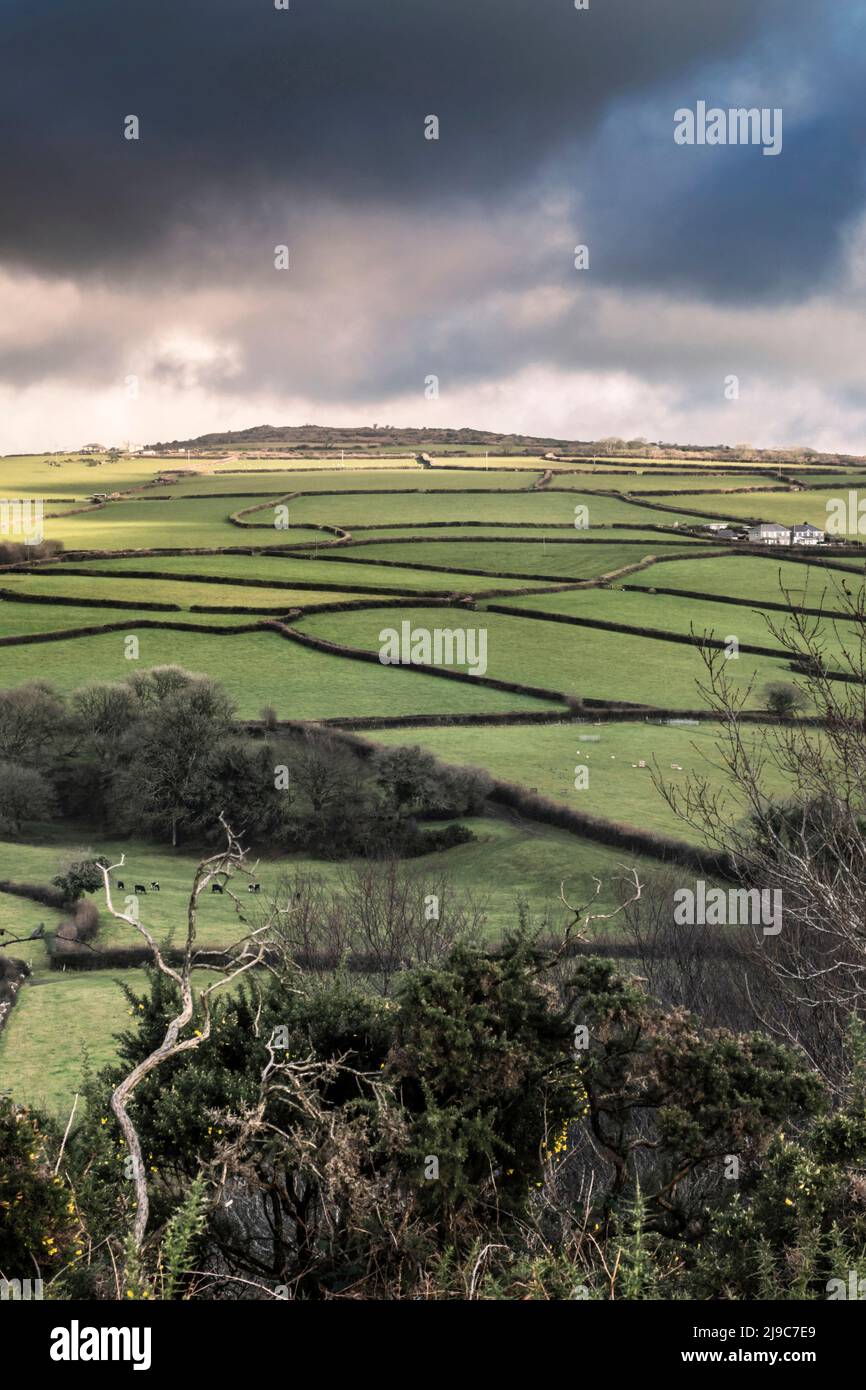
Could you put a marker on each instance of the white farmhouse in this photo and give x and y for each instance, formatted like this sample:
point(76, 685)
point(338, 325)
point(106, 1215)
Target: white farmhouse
point(769, 533)
point(807, 534)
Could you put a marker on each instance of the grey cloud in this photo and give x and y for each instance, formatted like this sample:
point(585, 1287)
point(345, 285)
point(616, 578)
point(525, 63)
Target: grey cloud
point(239, 101)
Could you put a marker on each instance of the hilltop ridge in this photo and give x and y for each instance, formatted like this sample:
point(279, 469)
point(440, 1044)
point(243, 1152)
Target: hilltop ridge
point(371, 438)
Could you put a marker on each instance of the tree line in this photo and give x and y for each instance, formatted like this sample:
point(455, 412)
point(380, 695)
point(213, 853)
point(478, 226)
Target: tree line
point(162, 753)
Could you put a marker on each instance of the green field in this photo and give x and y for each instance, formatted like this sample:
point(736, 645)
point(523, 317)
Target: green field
point(36, 475)
point(558, 508)
point(508, 861)
point(165, 912)
point(53, 583)
point(604, 535)
point(784, 507)
point(334, 569)
point(618, 788)
point(163, 521)
point(684, 616)
point(259, 669)
point(756, 578)
point(579, 662)
point(647, 480)
point(566, 560)
point(63, 1029)
point(25, 619)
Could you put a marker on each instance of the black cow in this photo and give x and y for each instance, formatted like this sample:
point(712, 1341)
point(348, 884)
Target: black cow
point(121, 885)
point(139, 888)
point(254, 887)
point(154, 887)
point(216, 888)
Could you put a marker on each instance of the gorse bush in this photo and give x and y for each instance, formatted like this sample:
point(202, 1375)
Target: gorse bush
point(42, 1229)
point(457, 1137)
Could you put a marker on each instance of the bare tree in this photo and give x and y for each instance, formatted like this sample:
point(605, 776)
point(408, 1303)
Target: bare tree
point(379, 919)
point(310, 1159)
point(401, 917)
point(241, 957)
point(584, 918)
point(808, 842)
point(699, 968)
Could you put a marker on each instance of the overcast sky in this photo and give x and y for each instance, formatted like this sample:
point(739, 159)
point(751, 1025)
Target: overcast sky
point(148, 265)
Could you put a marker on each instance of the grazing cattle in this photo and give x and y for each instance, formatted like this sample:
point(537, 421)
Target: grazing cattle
point(121, 885)
point(216, 888)
point(139, 888)
point(254, 887)
point(154, 887)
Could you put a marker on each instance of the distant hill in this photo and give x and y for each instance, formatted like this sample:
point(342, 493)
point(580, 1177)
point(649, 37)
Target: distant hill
point(373, 439)
point(368, 436)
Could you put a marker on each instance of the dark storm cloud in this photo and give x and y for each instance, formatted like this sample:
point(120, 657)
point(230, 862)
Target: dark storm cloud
point(727, 222)
point(412, 258)
point(240, 104)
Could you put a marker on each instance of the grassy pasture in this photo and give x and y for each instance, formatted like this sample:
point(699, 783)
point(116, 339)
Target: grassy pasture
point(829, 479)
point(480, 461)
point(683, 616)
point(33, 475)
point(25, 619)
point(331, 567)
point(52, 583)
point(749, 577)
point(408, 477)
point(612, 535)
point(570, 561)
point(62, 1027)
point(691, 463)
point(579, 662)
point(164, 913)
point(259, 669)
point(646, 480)
point(538, 507)
point(784, 507)
point(694, 463)
point(617, 790)
point(257, 460)
point(20, 916)
point(161, 522)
